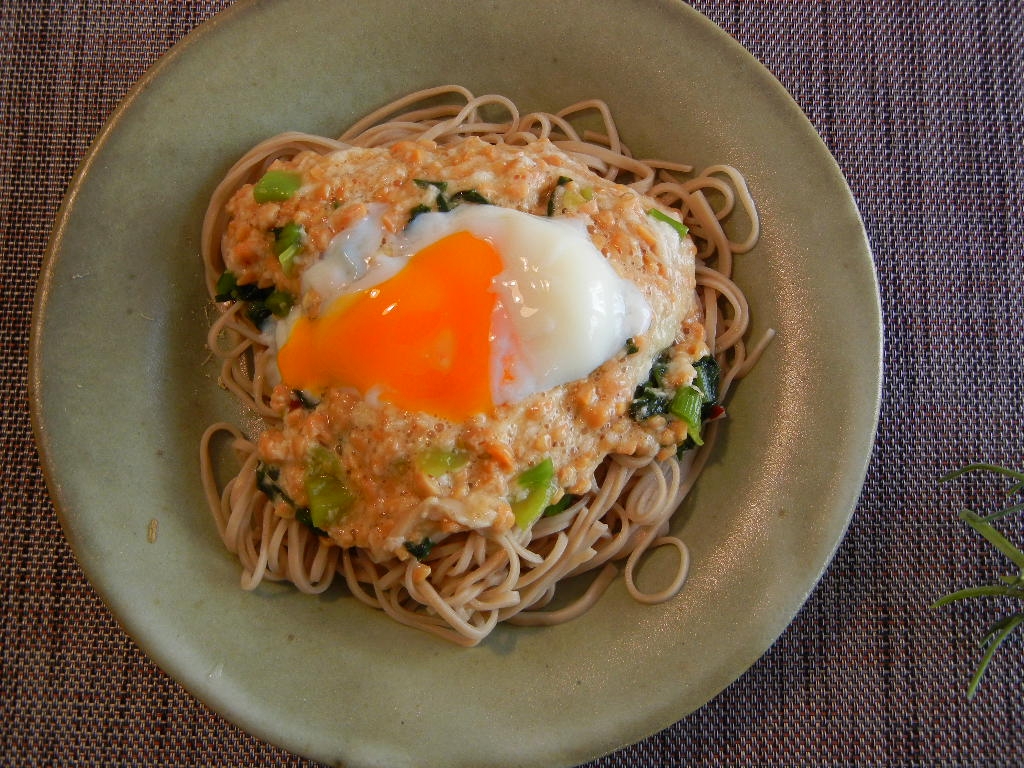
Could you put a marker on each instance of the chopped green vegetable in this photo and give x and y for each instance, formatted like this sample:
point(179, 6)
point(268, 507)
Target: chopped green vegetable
point(651, 398)
point(421, 208)
point(698, 409)
point(279, 303)
point(287, 259)
point(631, 347)
point(561, 505)
point(694, 403)
point(539, 483)
point(287, 244)
point(659, 369)
point(687, 404)
point(708, 375)
point(421, 550)
point(254, 297)
point(470, 196)
point(440, 200)
point(1013, 584)
point(561, 182)
point(324, 462)
point(445, 204)
point(442, 186)
point(573, 199)
point(303, 516)
point(648, 402)
point(226, 286)
point(276, 186)
point(437, 461)
point(678, 226)
point(266, 481)
point(329, 498)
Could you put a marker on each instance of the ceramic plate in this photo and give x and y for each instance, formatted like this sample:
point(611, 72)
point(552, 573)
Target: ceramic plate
point(122, 388)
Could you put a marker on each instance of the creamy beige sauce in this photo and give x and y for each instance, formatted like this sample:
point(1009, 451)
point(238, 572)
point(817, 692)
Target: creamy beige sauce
point(577, 424)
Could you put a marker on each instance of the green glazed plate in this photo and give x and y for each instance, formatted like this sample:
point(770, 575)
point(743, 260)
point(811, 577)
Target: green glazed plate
point(122, 388)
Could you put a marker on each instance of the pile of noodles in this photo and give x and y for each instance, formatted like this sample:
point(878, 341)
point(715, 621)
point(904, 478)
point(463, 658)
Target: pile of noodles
point(471, 581)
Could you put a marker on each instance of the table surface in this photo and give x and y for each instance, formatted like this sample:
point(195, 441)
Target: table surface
point(921, 103)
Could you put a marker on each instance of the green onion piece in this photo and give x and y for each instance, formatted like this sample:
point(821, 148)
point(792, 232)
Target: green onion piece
point(276, 186)
point(437, 461)
point(572, 199)
point(679, 227)
point(279, 303)
point(287, 236)
point(421, 550)
point(226, 285)
point(324, 462)
point(562, 181)
point(287, 259)
point(537, 476)
point(538, 481)
point(329, 499)
point(631, 347)
point(287, 244)
point(687, 405)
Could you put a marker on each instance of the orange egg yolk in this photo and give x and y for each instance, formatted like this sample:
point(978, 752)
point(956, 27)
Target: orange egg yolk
point(420, 338)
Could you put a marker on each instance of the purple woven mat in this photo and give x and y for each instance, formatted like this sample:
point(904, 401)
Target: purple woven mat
point(922, 105)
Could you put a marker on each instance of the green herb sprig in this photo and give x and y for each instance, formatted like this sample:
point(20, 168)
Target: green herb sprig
point(1012, 585)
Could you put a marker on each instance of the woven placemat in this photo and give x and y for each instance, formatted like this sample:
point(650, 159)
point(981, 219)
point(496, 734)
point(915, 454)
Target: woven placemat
point(922, 106)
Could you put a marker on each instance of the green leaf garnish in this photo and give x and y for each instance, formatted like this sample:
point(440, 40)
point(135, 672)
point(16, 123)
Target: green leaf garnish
point(1012, 586)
